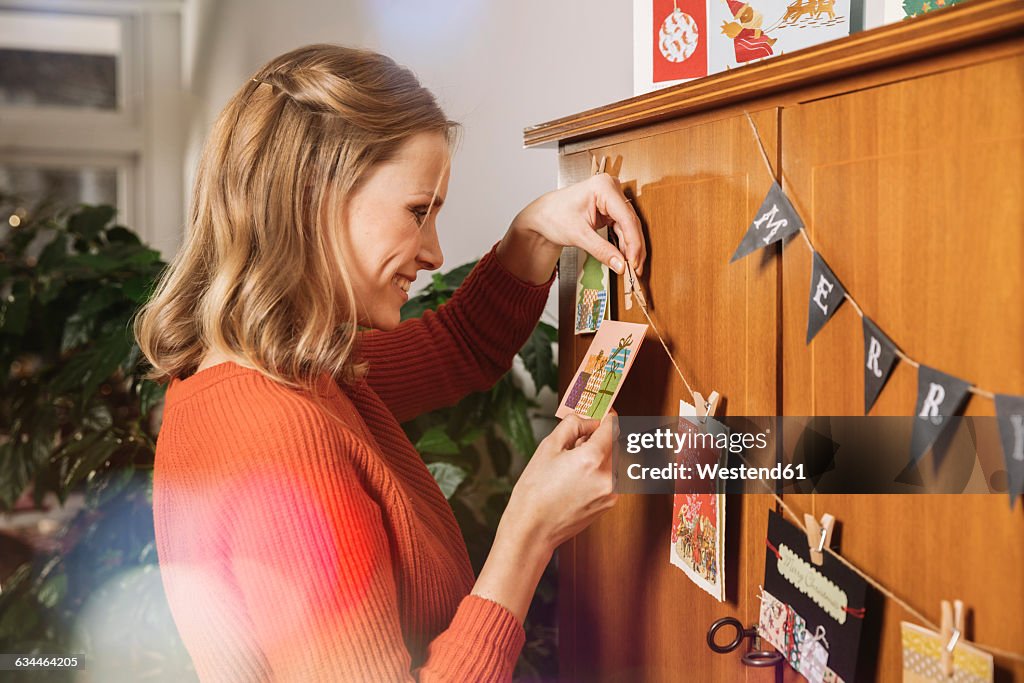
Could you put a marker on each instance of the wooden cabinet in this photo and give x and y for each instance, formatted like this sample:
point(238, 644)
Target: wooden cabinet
point(903, 151)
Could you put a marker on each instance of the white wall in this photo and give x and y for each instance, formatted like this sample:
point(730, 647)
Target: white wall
point(496, 67)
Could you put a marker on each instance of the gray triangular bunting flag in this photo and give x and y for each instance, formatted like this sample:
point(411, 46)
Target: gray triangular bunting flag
point(1010, 414)
point(827, 294)
point(939, 397)
point(911, 475)
point(776, 219)
point(879, 360)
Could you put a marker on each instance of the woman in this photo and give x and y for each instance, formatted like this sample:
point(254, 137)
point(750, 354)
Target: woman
point(300, 536)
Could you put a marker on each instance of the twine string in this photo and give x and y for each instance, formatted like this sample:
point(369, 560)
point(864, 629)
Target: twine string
point(643, 309)
point(642, 302)
point(598, 167)
point(974, 389)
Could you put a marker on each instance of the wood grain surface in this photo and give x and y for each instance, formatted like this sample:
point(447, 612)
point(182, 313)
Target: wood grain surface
point(911, 187)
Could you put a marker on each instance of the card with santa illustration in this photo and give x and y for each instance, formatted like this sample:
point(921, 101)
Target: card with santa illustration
point(678, 40)
point(746, 31)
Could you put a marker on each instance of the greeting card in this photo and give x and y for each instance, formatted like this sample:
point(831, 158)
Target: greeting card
point(592, 290)
point(746, 32)
point(828, 599)
point(922, 658)
point(698, 514)
point(670, 42)
point(604, 368)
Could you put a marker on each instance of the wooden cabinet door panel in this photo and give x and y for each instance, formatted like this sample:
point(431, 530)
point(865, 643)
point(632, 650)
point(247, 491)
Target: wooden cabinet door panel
point(912, 194)
point(628, 614)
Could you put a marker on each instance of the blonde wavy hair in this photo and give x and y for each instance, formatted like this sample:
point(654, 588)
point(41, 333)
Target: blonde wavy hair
point(260, 277)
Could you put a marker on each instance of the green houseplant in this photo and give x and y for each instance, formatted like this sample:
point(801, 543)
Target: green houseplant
point(77, 417)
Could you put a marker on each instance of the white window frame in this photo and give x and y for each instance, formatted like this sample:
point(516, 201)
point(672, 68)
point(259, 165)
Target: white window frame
point(125, 166)
point(144, 137)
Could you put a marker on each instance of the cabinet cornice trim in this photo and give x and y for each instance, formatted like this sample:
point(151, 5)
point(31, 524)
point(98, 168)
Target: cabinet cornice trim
point(937, 32)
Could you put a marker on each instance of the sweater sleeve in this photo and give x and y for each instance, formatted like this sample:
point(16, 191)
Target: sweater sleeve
point(311, 559)
point(465, 346)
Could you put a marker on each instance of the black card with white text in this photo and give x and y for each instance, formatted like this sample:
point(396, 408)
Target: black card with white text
point(829, 596)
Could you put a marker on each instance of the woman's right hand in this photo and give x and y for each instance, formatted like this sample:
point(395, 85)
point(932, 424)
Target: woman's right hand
point(566, 485)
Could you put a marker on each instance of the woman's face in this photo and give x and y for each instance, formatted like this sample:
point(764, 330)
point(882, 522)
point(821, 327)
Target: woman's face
point(387, 233)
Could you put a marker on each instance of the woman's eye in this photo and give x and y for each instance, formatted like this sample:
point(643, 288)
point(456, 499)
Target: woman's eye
point(420, 213)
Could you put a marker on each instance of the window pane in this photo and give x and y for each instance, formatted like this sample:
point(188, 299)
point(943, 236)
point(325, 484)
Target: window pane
point(29, 77)
point(59, 60)
point(65, 187)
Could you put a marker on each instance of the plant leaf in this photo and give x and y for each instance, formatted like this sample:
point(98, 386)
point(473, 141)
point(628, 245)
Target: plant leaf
point(53, 253)
point(87, 221)
point(97, 301)
point(550, 331)
point(538, 359)
point(454, 277)
point(447, 476)
point(119, 233)
point(137, 288)
point(516, 420)
point(98, 418)
point(471, 435)
point(150, 394)
point(416, 307)
point(53, 590)
point(77, 331)
point(14, 310)
point(501, 456)
point(92, 366)
point(88, 455)
point(13, 475)
point(436, 441)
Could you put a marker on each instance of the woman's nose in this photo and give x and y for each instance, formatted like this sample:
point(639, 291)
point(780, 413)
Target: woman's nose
point(430, 256)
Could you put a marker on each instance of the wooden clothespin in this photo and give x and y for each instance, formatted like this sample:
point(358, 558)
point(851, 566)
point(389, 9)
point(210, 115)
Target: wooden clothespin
point(631, 287)
point(706, 407)
point(628, 287)
point(952, 632)
point(819, 535)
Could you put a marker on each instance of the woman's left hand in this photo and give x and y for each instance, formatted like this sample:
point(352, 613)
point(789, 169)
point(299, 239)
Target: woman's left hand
point(568, 218)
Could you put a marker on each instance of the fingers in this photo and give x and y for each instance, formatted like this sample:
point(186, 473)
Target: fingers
point(604, 435)
point(571, 431)
point(602, 250)
point(613, 204)
point(603, 438)
point(643, 252)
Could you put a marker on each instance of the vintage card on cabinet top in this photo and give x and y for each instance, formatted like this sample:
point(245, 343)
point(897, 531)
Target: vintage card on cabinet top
point(604, 368)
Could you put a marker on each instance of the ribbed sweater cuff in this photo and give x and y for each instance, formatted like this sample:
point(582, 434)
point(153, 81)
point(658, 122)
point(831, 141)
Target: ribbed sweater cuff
point(490, 634)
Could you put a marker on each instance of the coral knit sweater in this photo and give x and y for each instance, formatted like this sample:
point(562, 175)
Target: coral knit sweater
point(294, 548)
